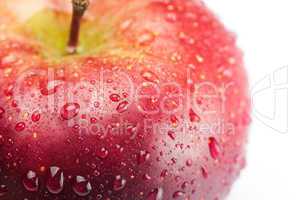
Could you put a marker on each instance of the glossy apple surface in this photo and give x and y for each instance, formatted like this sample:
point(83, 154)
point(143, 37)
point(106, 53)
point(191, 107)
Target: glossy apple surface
point(154, 105)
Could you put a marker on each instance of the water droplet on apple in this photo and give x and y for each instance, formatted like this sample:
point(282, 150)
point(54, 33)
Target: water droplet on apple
point(96, 104)
point(189, 163)
point(193, 116)
point(20, 126)
point(132, 131)
point(204, 173)
point(96, 173)
point(102, 153)
point(69, 111)
point(55, 180)
point(164, 173)
point(81, 186)
point(119, 183)
point(9, 90)
point(184, 185)
point(122, 107)
point(115, 97)
point(49, 88)
point(156, 194)
point(3, 190)
point(14, 104)
point(143, 156)
point(31, 181)
point(178, 194)
point(173, 160)
point(199, 58)
point(174, 120)
point(186, 39)
point(99, 196)
point(145, 38)
point(171, 17)
point(176, 57)
point(126, 24)
point(150, 76)
point(172, 135)
point(147, 177)
point(213, 147)
point(93, 120)
point(36, 116)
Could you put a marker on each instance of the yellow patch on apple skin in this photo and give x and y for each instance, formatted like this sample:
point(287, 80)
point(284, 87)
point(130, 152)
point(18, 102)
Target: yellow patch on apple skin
point(50, 29)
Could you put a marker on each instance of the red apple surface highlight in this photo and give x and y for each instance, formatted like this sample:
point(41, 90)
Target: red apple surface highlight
point(153, 106)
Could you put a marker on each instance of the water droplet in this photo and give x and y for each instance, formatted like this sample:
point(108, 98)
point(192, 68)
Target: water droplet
point(81, 186)
point(9, 90)
point(172, 135)
point(3, 190)
point(147, 177)
point(164, 173)
point(143, 156)
point(199, 58)
point(204, 173)
point(171, 17)
point(178, 194)
point(150, 76)
point(2, 111)
point(70, 110)
point(102, 153)
point(145, 38)
point(36, 116)
point(119, 183)
point(132, 131)
point(115, 97)
point(156, 194)
point(174, 120)
point(49, 88)
point(126, 24)
point(122, 107)
point(227, 73)
point(31, 181)
point(14, 104)
point(186, 39)
point(193, 116)
point(55, 180)
point(184, 185)
point(93, 120)
point(231, 60)
point(173, 160)
point(96, 104)
point(96, 173)
point(175, 57)
point(189, 163)
point(213, 147)
point(99, 196)
point(20, 126)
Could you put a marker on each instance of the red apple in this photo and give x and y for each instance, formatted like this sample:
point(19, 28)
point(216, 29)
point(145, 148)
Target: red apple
point(150, 102)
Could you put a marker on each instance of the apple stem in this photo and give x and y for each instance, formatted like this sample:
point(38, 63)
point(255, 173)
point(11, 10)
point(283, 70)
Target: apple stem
point(79, 8)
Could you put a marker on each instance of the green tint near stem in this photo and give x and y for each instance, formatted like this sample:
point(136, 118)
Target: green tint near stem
point(51, 30)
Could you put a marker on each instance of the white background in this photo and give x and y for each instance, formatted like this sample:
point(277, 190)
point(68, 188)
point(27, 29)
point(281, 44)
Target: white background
point(268, 32)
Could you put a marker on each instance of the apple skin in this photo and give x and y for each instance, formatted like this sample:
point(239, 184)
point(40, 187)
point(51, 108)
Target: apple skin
point(137, 118)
